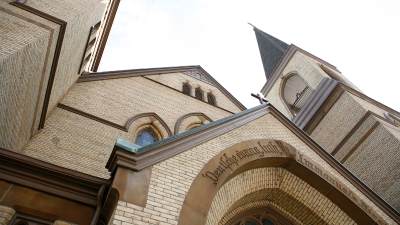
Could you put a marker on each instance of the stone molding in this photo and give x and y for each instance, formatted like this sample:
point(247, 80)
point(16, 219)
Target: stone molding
point(182, 118)
point(6, 215)
point(315, 101)
point(54, 180)
point(148, 156)
point(87, 77)
point(125, 127)
point(57, 51)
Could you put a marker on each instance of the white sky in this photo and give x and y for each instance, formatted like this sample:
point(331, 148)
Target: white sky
point(360, 37)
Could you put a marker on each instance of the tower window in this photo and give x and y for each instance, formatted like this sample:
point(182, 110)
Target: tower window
point(295, 92)
point(186, 89)
point(199, 94)
point(211, 99)
point(89, 48)
point(145, 137)
point(392, 119)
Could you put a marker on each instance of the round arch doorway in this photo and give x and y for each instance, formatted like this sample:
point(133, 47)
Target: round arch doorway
point(270, 171)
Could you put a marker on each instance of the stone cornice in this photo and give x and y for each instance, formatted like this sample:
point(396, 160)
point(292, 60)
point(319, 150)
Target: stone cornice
point(368, 99)
point(36, 174)
point(125, 127)
point(148, 156)
point(106, 75)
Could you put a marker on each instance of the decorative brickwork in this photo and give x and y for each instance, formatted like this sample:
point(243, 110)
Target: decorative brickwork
point(290, 193)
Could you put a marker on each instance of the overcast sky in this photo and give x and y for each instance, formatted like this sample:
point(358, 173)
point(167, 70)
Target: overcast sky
point(360, 37)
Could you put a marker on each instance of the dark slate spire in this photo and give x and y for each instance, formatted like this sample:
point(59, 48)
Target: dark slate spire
point(271, 50)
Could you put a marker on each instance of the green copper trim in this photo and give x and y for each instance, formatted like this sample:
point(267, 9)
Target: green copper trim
point(127, 145)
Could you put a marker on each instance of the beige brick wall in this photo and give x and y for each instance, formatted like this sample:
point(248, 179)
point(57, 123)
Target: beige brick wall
point(25, 49)
point(376, 162)
point(175, 80)
point(80, 16)
point(374, 158)
point(265, 182)
point(172, 178)
point(347, 147)
point(76, 142)
point(337, 123)
point(26, 55)
point(117, 100)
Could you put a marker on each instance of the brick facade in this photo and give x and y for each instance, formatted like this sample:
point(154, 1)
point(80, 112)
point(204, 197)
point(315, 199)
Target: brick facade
point(77, 142)
point(347, 128)
point(86, 115)
point(172, 178)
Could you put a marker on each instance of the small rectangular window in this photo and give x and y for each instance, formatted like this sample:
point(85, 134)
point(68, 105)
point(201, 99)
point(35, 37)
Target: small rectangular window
point(199, 94)
point(91, 40)
point(211, 99)
point(186, 89)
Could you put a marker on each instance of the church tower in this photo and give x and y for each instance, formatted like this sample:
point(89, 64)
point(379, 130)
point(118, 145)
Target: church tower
point(361, 133)
point(171, 145)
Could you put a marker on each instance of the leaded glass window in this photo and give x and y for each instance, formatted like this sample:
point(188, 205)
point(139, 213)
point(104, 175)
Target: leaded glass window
point(295, 92)
point(145, 137)
point(260, 217)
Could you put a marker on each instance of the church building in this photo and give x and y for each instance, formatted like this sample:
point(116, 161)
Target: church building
point(171, 145)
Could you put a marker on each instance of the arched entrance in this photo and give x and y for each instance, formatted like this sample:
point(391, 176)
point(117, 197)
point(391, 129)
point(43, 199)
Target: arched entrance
point(267, 180)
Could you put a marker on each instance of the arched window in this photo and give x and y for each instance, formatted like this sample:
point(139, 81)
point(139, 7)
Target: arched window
point(295, 92)
point(392, 119)
point(211, 98)
point(186, 89)
point(192, 126)
point(199, 94)
point(146, 136)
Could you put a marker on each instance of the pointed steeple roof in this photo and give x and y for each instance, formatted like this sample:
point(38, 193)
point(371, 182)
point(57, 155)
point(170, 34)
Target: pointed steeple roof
point(271, 49)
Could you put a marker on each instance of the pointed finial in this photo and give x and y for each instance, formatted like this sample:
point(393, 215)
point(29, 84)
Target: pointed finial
point(252, 25)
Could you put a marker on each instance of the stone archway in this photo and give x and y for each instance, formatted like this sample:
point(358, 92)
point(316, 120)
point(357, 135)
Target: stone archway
point(272, 172)
point(185, 122)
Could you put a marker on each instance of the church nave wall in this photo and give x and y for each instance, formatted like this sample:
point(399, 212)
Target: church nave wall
point(170, 195)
